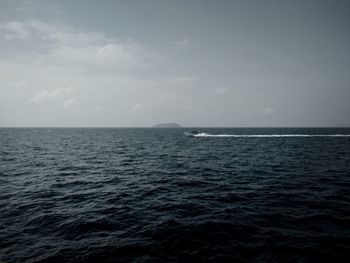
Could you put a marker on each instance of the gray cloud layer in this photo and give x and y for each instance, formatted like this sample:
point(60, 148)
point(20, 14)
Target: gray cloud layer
point(199, 63)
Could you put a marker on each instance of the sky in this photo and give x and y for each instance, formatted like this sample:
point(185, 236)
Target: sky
point(136, 63)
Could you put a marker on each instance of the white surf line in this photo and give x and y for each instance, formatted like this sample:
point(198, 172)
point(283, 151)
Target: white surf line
point(269, 135)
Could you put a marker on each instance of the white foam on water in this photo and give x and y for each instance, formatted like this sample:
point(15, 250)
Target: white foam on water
point(203, 134)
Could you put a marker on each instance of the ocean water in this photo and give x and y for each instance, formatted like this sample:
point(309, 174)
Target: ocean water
point(157, 195)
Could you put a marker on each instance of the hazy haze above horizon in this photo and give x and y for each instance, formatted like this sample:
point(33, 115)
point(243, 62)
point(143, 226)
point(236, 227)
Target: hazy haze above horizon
point(197, 63)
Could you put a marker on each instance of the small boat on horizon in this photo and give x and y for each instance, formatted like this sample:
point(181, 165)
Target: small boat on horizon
point(192, 133)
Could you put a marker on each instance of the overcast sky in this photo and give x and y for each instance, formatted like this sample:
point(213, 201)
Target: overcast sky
point(197, 63)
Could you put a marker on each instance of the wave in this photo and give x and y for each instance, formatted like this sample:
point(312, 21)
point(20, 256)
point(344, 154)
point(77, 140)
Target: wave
point(203, 134)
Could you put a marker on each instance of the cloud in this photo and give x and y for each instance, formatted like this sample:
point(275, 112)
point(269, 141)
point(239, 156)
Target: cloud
point(67, 103)
point(221, 90)
point(61, 44)
point(267, 111)
point(15, 30)
point(136, 106)
point(25, 5)
point(48, 94)
point(103, 56)
point(184, 42)
point(59, 34)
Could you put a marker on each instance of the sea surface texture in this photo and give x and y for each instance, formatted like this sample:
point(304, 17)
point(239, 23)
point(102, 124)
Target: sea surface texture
point(160, 195)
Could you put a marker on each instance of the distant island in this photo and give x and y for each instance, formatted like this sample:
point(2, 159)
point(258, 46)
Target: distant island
point(167, 125)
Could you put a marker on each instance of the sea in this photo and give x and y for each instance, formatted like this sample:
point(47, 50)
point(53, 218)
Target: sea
point(167, 195)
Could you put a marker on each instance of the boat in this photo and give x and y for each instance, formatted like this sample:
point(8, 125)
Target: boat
point(192, 133)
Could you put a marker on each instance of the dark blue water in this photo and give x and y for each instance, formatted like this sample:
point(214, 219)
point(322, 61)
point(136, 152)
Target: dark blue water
point(157, 195)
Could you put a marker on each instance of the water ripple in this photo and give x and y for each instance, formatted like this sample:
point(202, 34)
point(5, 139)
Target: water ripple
point(150, 195)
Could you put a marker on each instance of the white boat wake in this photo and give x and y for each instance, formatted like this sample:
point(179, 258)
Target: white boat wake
point(203, 134)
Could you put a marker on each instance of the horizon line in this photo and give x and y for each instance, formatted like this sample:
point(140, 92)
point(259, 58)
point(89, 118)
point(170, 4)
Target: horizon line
point(150, 127)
